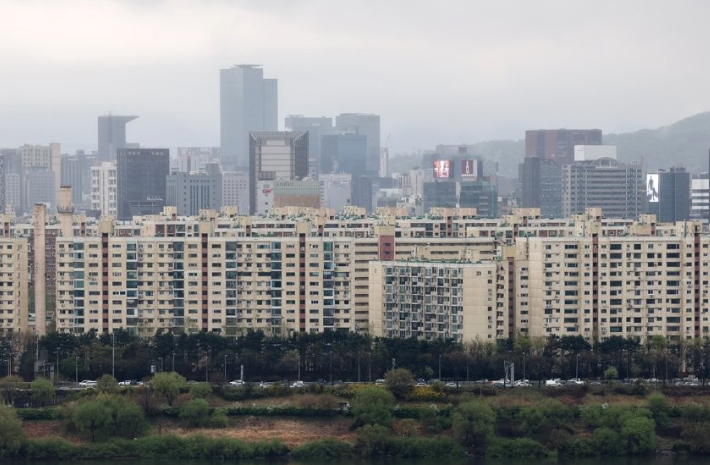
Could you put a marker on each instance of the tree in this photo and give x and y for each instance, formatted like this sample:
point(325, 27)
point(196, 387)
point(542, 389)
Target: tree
point(372, 406)
point(107, 384)
point(11, 433)
point(473, 423)
point(400, 382)
point(107, 416)
point(611, 373)
point(42, 391)
point(93, 417)
point(10, 387)
point(200, 390)
point(168, 384)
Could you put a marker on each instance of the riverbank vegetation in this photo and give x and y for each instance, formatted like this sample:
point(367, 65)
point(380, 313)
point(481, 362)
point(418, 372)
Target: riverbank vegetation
point(170, 418)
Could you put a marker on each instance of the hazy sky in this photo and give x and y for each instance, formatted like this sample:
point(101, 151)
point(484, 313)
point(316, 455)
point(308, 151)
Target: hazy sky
point(436, 71)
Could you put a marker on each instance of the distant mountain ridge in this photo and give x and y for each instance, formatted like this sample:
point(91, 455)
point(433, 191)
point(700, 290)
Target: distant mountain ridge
point(683, 143)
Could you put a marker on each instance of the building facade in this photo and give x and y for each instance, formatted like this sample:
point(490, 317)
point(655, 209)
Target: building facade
point(558, 144)
point(617, 188)
point(112, 135)
point(367, 125)
point(140, 181)
point(190, 193)
point(247, 102)
point(273, 156)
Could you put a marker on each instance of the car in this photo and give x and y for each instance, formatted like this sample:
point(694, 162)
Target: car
point(553, 382)
point(379, 382)
point(420, 384)
point(125, 383)
point(522, 383)
point(576, 381)
point(237, 382)
point(87, 383)
point(481, 381)
point(298, 384)
point(265, 384)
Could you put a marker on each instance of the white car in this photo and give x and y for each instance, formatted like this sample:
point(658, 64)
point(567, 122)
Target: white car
point(237, 382)
point(87, 383)
point(575, 381)
point(125, 383)
point(297, 384)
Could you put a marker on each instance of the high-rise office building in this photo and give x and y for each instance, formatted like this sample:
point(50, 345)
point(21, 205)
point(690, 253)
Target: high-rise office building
point(344, 153)
point(141, 176)
point(668, 194)
point(192, 192)
point(366, 125)
point(440, 194)
point(558, 144)
point(235, 191)
point(274, 156)
point(480, 194)
point(112, 135)
point(76, 172)
point(41, 158)
point(699, 197)
point(617, 188)
point(542, 186)
point(194, 159)
point(248, 102)
point(317, 127)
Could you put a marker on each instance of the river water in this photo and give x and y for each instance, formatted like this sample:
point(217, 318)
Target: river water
point(665, 460)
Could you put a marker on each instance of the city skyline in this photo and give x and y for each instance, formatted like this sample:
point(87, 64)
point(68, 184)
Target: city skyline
point(391, 63)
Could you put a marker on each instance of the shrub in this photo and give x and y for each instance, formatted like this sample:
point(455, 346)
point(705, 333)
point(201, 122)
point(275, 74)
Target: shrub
point(660, 409)
point(405, 428)
point(50, 449)
point(195, 412)
point(323, 450)
point(696, 438)
point(108, 416)
point(372, 406)
point(473, 423)
point(400, 382)
point(425, 394)
point(607, 442)
point(523, 448)
point(200, 390)
point(693, 412)
point(11, 433)
point(639, 434)
point(34, 414)
point(372, 441)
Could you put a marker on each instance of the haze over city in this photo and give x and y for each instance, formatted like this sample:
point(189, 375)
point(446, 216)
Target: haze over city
point(444, 72)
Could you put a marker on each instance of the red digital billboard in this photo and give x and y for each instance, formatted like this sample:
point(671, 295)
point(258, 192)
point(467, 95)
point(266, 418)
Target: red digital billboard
point(442, 169)
point(469, 168)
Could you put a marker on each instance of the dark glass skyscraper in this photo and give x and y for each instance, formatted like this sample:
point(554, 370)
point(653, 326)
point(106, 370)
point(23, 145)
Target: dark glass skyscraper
point(140, 178)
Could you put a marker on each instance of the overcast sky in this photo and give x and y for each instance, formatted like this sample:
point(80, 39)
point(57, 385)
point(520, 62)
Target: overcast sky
point(444, 71)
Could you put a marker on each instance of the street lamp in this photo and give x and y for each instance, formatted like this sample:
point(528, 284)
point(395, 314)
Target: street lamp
point(76, 369)
point(439, 367)
point(225, 368)
point(113, 355)
point(524, 359)
point(576, 370)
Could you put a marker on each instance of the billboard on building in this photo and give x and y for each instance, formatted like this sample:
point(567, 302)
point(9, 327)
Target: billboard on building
point(652, 187)
point(442, 169)
point(469, 168)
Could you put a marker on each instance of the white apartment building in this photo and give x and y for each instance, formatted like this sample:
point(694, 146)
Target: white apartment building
point(103, 188)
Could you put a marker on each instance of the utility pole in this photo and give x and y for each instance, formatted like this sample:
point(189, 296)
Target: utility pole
point(576, 370)
point(76, 368)
point(439, 367)
point(225, 369)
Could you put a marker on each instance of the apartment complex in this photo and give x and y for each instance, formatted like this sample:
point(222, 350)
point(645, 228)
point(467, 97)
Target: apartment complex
point(308, 270)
